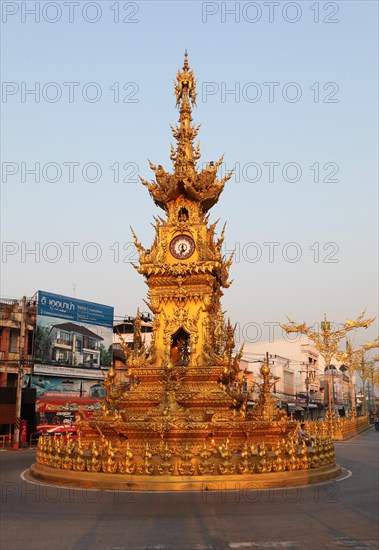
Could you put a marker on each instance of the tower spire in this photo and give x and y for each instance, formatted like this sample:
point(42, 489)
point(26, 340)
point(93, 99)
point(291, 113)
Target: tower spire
point(200, 186)
point(186, 155)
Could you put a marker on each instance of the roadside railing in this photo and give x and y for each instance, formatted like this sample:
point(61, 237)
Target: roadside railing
point(33, 439)
point(6, 440)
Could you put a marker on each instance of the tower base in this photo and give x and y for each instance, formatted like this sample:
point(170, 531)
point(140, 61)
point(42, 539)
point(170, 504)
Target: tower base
point(240, 482)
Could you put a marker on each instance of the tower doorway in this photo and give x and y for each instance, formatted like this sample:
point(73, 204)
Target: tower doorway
point(180, 348)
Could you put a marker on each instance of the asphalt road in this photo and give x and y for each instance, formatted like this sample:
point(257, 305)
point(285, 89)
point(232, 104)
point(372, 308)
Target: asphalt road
point(341, 514)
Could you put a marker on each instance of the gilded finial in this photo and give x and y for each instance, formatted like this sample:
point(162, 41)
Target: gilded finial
point(185, 88)
point(186, 65)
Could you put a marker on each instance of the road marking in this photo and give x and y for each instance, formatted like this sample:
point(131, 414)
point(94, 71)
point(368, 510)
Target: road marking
point(352, 543)
point(27, 479)
point(263, 544)
point(346, 542)
point(348, 444)
point(292, 545)
point(163, 547)
point(68, 488)
point(349, 474)
point(182, 547)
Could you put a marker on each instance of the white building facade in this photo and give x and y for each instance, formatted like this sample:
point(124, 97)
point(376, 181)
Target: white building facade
point(295, 364)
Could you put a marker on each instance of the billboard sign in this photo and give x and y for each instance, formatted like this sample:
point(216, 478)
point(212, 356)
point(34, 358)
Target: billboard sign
point(54, 386)
point(78, 311)
point(73, 337)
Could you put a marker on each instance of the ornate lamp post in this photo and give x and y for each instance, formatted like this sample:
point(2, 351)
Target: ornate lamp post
point(367, 370)
point(327, 340)
point(374, 381)
point(353, 358)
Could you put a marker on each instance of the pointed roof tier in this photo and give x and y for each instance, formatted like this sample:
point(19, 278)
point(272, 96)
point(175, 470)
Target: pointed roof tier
point(202, 186)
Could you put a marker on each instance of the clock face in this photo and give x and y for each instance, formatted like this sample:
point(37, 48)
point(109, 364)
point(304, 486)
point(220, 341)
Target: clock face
point(182, 247)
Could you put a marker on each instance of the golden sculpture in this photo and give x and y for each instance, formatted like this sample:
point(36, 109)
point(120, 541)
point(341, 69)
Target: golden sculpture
point(353, 359)
point(327, 340)
point(368, 372)
point(184, 417)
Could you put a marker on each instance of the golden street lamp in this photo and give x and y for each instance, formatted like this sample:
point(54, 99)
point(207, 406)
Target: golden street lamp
point(367, 371)
point(327, 340)
point(352, 359)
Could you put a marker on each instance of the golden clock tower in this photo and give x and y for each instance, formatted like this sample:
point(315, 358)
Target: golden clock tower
point(185, 272)
point(184, 268)
point(181, 419)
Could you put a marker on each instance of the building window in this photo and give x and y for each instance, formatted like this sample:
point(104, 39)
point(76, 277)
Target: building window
point(30, 342)
point(62, 356)
point(79, 344)
point(13, 341)
point(64, 338)
point(90, 360)
point(11, 380)
point(92, 343)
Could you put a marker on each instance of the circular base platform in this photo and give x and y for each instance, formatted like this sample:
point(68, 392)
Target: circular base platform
point(124, 482)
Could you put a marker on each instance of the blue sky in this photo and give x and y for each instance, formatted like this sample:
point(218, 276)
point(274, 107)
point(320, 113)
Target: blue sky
point(329, 226)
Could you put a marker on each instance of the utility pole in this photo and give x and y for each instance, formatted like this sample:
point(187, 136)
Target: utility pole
point(331, 390)
point(368, 398)
point(20, 374)
point(333, 394)
point(306, 385)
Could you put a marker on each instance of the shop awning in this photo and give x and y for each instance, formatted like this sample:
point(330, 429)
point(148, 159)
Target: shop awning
point(293, 407)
